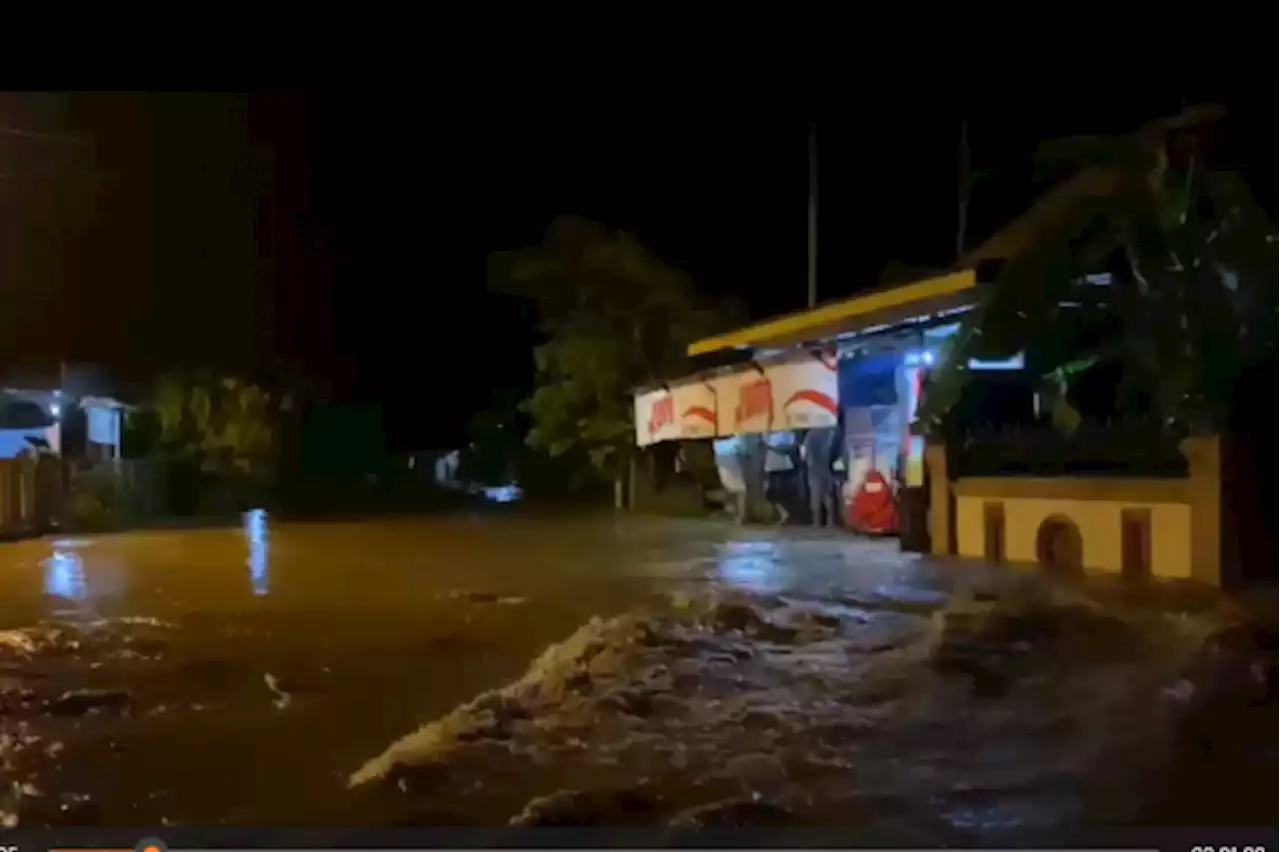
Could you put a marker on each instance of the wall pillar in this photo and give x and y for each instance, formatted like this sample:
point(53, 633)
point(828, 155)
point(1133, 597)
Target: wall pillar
point(1204, 492)
point(26, 471)
point(8, 482)
point(935, 459)
point(753, 475)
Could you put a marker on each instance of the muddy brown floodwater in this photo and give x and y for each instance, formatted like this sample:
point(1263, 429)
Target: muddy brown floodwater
point(258, 676)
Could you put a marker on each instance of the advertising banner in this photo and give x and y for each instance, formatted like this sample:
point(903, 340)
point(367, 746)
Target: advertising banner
point(805, 390)
point(695, 406)
point(725, 387)
point(655, 417)
point(800, 392)
point(752, 402)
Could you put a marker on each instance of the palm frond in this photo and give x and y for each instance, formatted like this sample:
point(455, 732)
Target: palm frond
point(1193, 278)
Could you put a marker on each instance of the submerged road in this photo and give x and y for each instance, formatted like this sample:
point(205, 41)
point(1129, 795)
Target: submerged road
point(241, 674)
point(368, 628)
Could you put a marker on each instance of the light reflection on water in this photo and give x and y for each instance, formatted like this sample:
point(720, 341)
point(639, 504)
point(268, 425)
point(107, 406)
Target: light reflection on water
point(255, 534)
point(823, 564)
point(750, 565)
point(64, 575)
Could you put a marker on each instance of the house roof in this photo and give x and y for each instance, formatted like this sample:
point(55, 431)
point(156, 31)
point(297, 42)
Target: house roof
point(105, 402)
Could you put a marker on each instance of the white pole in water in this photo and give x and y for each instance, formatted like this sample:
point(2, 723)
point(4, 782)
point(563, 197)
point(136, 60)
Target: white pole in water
point(813, 216)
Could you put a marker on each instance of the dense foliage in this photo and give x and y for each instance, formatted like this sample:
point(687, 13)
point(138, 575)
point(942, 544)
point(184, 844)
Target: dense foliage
point(1193, 293)
point(224, 425)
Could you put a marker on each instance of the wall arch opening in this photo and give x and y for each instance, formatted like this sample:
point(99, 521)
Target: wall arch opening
point(1059, 546)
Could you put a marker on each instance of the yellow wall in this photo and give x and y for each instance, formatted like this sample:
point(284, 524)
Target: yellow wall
point(1098, 522)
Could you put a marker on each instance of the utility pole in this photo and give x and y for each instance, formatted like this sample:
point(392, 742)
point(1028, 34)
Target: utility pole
point(962, 218)
point(813, 216)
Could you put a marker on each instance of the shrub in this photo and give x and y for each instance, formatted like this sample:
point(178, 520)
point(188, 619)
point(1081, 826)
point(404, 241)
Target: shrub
point(96, 501)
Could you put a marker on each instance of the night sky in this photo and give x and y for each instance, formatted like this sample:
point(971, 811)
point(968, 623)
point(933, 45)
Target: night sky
point(343, 235)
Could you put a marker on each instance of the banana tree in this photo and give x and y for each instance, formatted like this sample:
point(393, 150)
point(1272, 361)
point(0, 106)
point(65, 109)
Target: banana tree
point(1192, 291)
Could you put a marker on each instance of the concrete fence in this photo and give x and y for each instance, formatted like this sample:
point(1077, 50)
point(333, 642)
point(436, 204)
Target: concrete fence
point(29, 495)
point(1163, 527)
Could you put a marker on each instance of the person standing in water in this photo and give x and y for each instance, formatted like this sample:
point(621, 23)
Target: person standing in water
point(817, 463)
point(779, 471)
point(729, 463)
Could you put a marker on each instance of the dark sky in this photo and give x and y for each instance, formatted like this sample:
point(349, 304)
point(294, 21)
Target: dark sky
point(346, 232)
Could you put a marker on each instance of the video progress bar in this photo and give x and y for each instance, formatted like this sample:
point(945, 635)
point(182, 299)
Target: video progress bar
point(542, 849)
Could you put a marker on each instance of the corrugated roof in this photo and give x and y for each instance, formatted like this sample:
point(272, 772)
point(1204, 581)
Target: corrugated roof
point(882, 307)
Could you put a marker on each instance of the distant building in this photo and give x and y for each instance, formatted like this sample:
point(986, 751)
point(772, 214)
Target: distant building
point(44, 412)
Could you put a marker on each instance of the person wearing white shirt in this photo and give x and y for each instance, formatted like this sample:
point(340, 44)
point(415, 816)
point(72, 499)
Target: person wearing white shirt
point(779, 468)
point(729, 465)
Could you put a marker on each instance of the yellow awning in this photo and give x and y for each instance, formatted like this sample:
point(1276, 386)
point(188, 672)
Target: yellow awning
point(884, 307)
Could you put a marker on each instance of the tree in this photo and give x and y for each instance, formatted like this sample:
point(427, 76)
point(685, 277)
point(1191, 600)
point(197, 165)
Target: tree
point(223, 425)
point(615, 317)
point(1193, 293)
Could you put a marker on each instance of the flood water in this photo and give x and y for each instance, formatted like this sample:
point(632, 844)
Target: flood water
point(243, 675)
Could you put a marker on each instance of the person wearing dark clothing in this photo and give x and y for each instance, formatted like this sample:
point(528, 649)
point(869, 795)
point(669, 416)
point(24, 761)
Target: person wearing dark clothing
point(818, 450)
